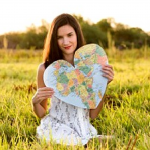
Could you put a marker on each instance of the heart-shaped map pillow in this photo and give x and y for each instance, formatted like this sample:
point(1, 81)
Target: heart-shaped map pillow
point(81, 85)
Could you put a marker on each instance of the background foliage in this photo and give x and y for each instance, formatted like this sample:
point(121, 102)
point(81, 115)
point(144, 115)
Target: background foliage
point(125, 115)
point(121, 36)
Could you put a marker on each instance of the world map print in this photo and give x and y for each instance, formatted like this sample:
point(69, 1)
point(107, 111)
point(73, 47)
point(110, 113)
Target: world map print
point(81, 85)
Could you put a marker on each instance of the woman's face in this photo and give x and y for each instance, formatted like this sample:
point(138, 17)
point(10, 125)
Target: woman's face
point(67, 40)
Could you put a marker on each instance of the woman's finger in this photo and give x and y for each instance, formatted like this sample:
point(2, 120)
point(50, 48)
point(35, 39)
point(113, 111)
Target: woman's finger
point(108, 72)
point(109, 77)
point(45, 89)
point(108, 68)
point(42, 95)
point(47, 93)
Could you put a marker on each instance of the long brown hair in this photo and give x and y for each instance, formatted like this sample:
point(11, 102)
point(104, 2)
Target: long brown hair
point(52, 51)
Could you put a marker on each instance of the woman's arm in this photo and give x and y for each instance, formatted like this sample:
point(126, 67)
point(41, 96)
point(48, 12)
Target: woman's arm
point(39, 100)
point(94, 112)
point(109, 74)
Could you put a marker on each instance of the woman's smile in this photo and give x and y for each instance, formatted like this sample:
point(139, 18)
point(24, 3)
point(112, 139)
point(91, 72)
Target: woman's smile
point(67, 47)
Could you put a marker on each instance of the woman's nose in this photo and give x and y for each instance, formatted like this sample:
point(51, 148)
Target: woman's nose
point(65, 41)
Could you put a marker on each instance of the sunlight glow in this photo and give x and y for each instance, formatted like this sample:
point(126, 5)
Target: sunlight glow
point(17, 15)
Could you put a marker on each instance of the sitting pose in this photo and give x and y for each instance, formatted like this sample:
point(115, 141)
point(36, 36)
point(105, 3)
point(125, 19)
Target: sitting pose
point(64, 122)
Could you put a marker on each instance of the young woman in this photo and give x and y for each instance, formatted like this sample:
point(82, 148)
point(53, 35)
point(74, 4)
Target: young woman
point(64, 123)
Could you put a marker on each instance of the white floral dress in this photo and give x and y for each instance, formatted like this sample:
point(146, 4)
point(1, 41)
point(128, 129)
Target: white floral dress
point(66, 124)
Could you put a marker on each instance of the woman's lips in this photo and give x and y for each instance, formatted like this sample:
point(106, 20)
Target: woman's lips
point(67, 47)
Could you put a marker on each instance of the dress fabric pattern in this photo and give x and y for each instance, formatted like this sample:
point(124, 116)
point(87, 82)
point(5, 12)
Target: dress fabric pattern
point(66, 124)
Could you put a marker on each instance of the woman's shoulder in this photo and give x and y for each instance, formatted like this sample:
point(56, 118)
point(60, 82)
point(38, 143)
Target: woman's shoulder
point(41, 67)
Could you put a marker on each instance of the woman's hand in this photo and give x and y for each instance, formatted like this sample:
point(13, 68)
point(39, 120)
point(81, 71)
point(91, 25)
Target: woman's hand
point(108, 72)
point(42, 94)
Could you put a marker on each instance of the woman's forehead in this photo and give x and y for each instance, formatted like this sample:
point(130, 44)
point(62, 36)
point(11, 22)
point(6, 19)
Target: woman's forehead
point(65, 29)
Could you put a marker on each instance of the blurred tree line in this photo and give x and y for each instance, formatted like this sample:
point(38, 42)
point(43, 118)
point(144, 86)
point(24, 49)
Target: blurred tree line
point(107, 33)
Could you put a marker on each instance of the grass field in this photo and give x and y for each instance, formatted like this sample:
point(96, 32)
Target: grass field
point(126, 112)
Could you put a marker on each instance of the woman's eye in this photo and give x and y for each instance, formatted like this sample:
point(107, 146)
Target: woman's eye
point(70, 35)
point(59, 37)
